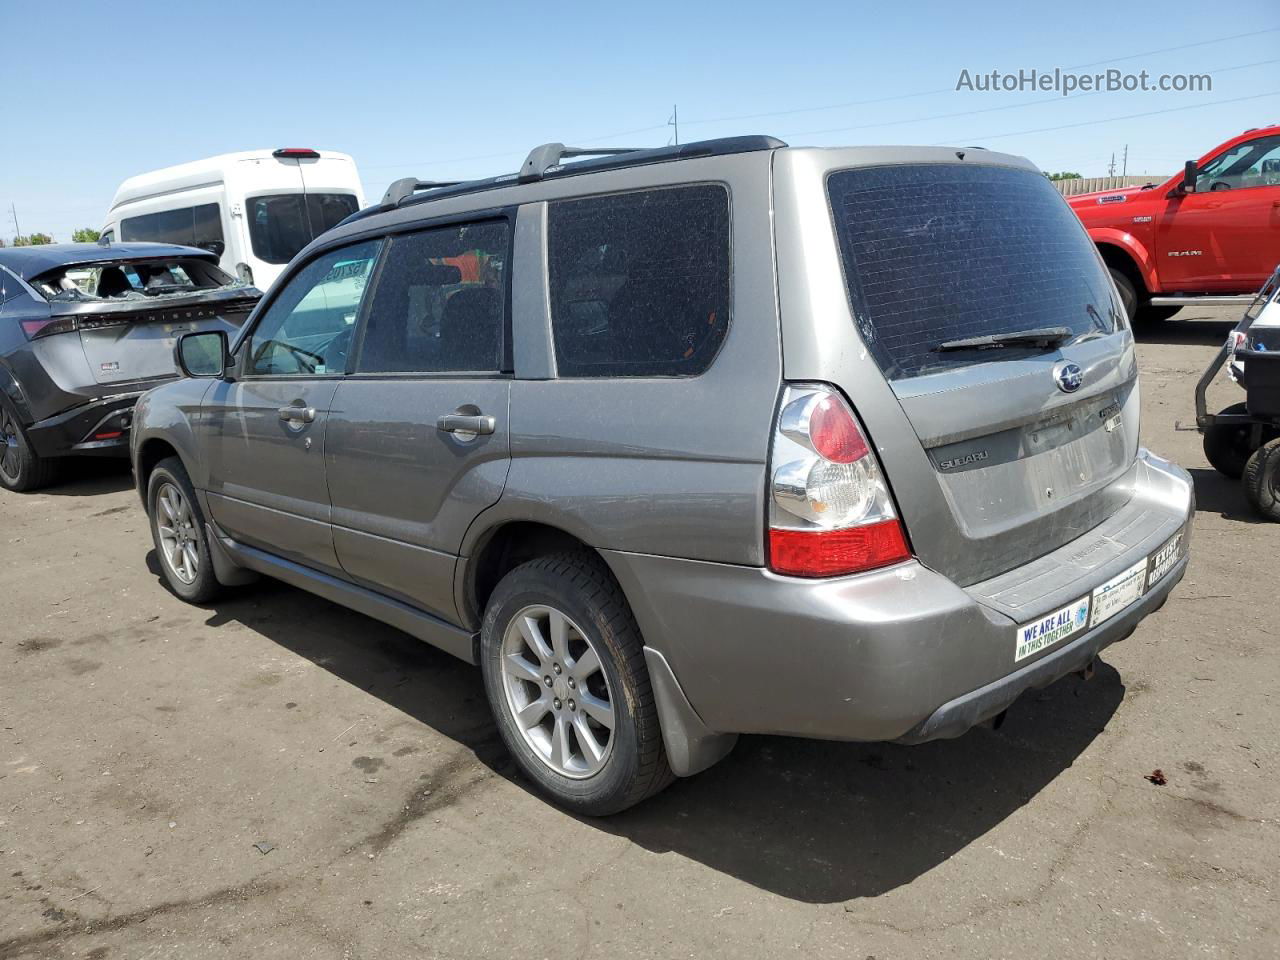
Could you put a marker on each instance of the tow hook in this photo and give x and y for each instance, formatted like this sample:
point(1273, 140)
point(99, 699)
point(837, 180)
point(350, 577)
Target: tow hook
point(1087, 672)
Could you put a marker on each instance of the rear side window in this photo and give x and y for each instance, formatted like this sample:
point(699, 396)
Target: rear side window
point(439, 302)
point(940, 252)
point(639, 282)
point(197, 226)
point(281, 225)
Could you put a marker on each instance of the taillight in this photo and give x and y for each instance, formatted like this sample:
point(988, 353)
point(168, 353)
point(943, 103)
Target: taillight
point(295, 153)
point(830, 512)
point(48, 326)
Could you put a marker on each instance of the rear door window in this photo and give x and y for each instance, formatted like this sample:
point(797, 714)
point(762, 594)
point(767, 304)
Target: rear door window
point(439, 302)
point(941, 252)
point(282, 224)
point(639, 282)
point(198, 226)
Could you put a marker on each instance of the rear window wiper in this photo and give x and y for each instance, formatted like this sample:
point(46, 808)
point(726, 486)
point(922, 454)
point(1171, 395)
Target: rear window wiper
point(1039, 337)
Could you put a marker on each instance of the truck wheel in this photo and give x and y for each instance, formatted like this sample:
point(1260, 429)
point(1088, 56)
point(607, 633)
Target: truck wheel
point(564, 672)
point(1227, 447)
point(1128, 293)
point(177, 529)
point(1262, 480)
point(21, 468)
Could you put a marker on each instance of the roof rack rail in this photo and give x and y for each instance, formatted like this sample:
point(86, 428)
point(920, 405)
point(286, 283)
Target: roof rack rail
point(408, 186)
point(547, 155)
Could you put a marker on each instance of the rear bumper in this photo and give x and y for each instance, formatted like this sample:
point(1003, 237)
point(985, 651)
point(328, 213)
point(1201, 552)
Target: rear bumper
point(897, 654)
point(74, 432)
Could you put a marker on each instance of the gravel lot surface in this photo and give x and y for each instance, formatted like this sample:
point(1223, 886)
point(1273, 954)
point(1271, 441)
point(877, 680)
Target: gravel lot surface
point(274, 776)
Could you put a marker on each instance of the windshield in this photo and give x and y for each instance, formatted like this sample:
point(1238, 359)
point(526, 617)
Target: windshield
point(937, 253)
point(282, 224)
point(131, 280)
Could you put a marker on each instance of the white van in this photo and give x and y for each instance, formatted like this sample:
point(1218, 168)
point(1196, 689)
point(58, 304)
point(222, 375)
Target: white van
point(255, 209)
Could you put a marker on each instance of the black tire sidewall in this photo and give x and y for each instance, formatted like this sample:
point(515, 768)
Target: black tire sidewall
point(1260, 477)
point(28, 459)
point(1221, 449)
point(205, 586)
point(601, 793)
point(1128, 293)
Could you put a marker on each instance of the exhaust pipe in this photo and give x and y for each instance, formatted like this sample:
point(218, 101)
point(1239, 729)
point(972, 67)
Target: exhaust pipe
point(1087, 672)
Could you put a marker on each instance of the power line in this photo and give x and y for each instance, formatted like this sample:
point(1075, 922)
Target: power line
point(1006, 106)
point(1130, 116)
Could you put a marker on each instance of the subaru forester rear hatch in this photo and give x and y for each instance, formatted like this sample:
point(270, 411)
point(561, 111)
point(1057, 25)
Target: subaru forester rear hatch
point(996, 326)
point(129, 313)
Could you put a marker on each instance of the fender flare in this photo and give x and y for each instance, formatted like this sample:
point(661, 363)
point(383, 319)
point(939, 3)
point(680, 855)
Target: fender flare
point(1134, 249)
point(12, 391)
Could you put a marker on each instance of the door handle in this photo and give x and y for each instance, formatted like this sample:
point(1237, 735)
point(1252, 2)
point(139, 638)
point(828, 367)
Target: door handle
point(298, 414)
point(462, 423)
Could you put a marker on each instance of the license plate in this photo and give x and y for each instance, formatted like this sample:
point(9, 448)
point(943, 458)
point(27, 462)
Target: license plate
point(1165, 559)
point(1118, 592)
point(1047, 630)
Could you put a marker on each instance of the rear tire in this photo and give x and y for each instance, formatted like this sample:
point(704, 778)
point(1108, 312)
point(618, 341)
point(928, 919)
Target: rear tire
point(564, 671)
point(1228, 447)
point(21, 468)
point(1262, 480)
point(178, 532)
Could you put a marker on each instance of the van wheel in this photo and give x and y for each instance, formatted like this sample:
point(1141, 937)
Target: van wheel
point(177, 530)
point(1227, 446)
point(21, 468)
point(564, 671)
point(1262, 480)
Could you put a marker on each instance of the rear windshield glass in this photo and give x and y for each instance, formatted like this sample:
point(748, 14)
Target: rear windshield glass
point(281, 225)
point(941, 252)
point(131, 280)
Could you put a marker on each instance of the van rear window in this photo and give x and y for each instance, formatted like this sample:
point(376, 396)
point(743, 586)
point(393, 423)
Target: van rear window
point(941, 252)
point(282, 224)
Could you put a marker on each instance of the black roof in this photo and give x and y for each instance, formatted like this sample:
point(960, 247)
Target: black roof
point(29, 262)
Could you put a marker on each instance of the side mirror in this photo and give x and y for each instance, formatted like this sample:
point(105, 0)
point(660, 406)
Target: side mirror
point(1190, 173)
point(203, 354)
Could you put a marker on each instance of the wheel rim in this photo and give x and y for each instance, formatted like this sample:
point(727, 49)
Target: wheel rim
point(176, 530)
point(10, 455)
point(557, 692)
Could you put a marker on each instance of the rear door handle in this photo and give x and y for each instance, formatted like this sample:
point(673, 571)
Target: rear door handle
point(461, 423)
point(298, 414)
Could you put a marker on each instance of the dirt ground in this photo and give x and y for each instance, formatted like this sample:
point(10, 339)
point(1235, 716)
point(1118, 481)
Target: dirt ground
point(151, 751)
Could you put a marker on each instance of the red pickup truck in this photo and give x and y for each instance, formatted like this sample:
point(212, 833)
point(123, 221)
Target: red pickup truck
point(1208, 236)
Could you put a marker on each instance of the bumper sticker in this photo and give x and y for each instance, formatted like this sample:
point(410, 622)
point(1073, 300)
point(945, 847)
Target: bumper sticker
point(1118, 592)
point(1038, 634)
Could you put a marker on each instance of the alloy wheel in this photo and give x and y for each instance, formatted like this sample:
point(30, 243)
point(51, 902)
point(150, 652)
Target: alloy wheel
point(10, 454)
point(557, 692)
point(175, 524)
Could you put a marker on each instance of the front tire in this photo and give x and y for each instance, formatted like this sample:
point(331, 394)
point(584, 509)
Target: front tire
point(21, 468)
point(564, 672)
point(1128, 294)
point(1262, 480)
point(178, 532)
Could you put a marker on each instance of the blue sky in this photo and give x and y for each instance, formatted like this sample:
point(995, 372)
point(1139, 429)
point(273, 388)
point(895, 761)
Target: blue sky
point(99, 92)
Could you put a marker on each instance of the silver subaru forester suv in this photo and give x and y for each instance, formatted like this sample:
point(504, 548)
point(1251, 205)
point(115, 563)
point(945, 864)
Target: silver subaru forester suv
point(683, 443)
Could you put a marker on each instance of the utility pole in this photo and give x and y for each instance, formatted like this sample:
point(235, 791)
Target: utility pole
point(13, 212)
point(675, 122)
point(1124, 169)
point(1111, 167)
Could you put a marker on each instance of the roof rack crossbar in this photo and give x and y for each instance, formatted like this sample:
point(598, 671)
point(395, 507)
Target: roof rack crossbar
point(545, 156)
point(408, 186)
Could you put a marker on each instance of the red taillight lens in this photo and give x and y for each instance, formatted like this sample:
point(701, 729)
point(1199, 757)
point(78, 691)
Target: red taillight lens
point(831, 512)
point(829, 553)
point(834, 432)
point(48, 326)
